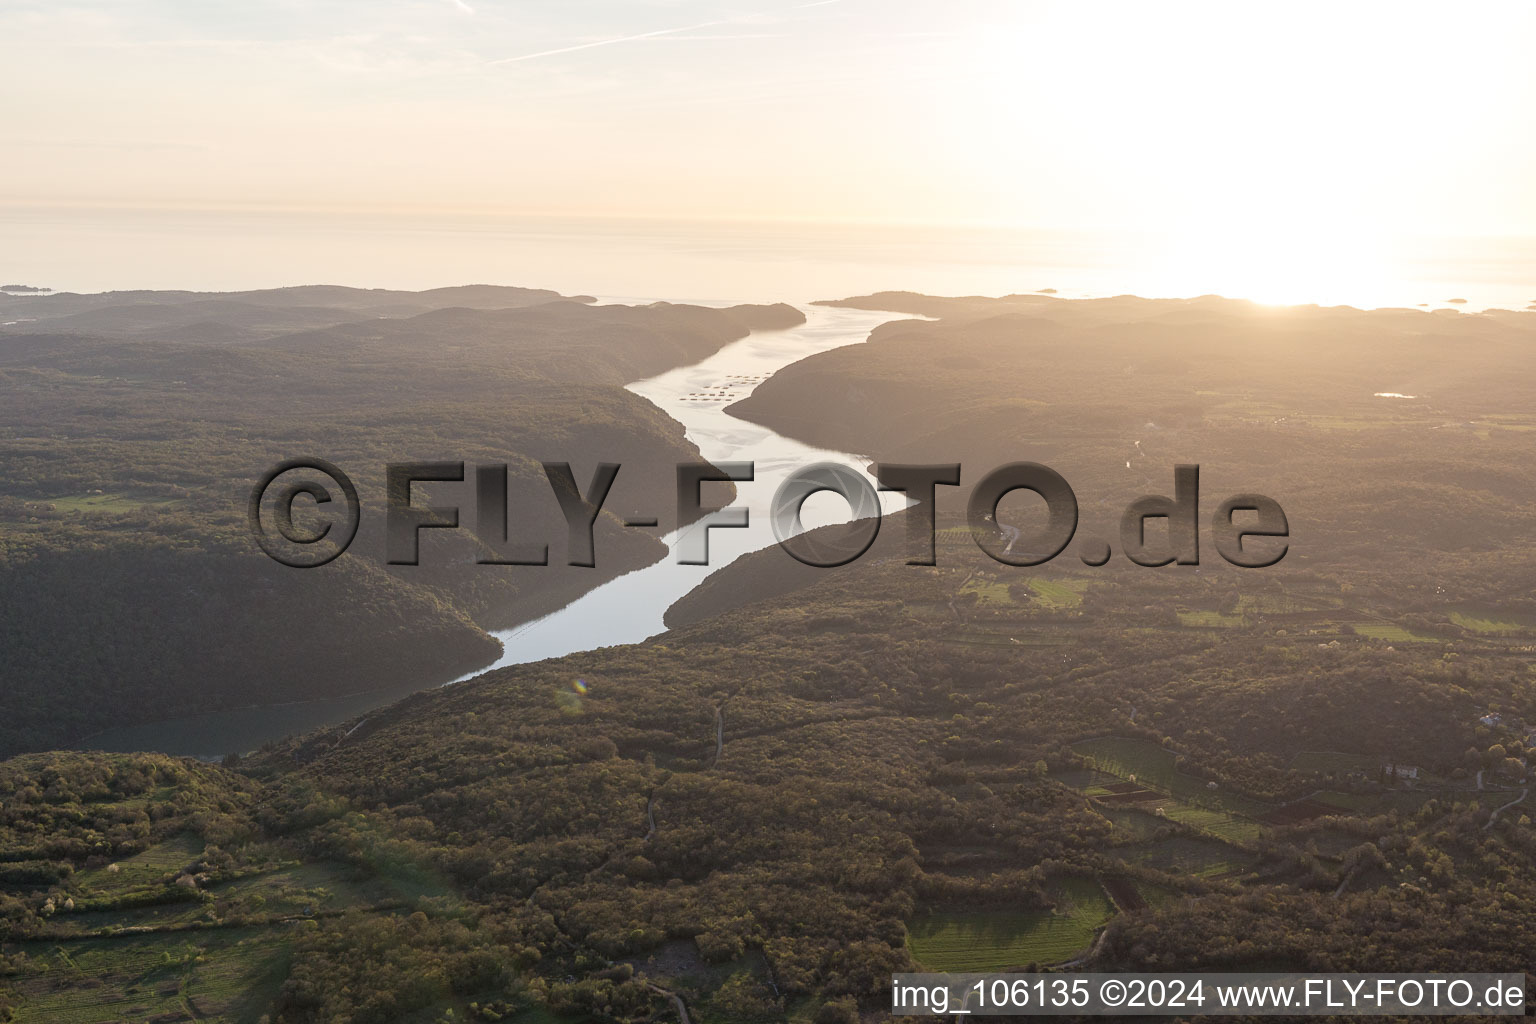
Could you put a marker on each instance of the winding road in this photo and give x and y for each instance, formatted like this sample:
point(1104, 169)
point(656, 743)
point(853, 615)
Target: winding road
point(1494, 817)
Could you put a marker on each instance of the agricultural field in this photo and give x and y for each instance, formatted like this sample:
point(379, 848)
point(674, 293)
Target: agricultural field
point(1281, 604)
point(1392, 633)
point(1250, 608)
point(163, 936)
point(141, 870)
point(994, 940)
point(1149, 765)
point(1059, 592)
point(1095, 783)
point(1127, 771)
point(108, 504)
point(1154, 895)
point(231, 975)
point(987, 591)
point(1485, 620)
point(1222, 824)
point(1329, 761)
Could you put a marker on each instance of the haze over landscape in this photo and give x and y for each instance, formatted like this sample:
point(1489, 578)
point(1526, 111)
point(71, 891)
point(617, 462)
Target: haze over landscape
point(514, 778)
point(1310, 153)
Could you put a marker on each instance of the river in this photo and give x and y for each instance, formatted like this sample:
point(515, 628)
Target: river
point(627, 609)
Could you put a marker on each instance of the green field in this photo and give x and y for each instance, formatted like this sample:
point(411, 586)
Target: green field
point(132, 945)
point(1222, 824)
point(1092, 782)
point(145, 869)
point(1279, 604)
point(230, 975)
point(1391, 633)
point(987, 591)
point(1491, 620)
point(993, 940)
point(1156, 895)
point(1187, 855)
point(1153, 767)
point(1058, 593)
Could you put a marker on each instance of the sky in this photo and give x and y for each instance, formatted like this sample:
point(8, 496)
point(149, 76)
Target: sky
point(1219, 122)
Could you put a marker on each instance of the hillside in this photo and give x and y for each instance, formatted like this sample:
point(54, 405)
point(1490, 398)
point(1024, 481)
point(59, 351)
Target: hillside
point(819, 777)
point(767, 813)
point(127, 464)
point(1297, 403)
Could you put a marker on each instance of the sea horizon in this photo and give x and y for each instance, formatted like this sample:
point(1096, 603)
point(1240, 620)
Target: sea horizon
point(98, 249)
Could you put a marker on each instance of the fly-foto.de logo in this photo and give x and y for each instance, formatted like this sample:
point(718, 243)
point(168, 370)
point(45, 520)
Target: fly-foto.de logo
point(1247, 530)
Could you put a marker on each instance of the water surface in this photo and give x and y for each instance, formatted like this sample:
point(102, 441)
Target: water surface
point(627, 609)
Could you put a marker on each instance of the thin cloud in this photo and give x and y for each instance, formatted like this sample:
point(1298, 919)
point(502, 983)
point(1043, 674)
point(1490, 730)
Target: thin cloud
point(716, 37)
point(645, 35)
point(607, 42)
point(462, 6)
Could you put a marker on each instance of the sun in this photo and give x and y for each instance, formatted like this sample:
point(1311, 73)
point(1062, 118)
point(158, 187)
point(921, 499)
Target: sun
point(1266, 262)
point(1272, 154)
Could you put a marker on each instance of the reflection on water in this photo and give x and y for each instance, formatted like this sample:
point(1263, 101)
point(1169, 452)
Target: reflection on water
point(629, 608)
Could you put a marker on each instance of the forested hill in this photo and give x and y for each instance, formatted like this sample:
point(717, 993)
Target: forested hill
point(214, 317)
point(1396, 440)
point(824, 776)
point(133, 591)
point(767, 813)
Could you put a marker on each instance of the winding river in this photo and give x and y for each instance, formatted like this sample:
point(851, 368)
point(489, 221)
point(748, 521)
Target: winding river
point(627, 609)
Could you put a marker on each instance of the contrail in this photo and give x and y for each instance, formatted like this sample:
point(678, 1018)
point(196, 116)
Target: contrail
point(607, 42)
point(644, 35)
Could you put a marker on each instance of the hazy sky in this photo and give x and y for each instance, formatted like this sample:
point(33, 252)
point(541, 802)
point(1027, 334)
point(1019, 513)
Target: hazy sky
point(1227, 116)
